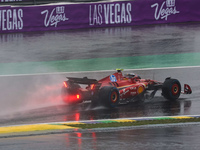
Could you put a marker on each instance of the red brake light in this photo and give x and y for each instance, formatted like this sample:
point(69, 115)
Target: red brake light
point(92, 86)
point(78, 96)
point(65, 84)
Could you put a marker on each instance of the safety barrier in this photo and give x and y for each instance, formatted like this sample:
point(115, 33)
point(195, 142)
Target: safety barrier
point(101, 14)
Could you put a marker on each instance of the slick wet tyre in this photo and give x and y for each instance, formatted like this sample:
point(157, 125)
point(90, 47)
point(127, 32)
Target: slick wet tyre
point(171, 89)
point(109, 96)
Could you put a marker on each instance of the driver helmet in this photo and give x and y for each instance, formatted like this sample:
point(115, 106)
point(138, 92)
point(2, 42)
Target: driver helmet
point(130, 75)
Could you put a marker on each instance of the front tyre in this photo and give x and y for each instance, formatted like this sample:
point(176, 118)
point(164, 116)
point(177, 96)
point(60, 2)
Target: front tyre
point(109, 96)
point(171, 89)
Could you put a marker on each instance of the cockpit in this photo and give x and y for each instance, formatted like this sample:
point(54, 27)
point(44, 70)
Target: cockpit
point(129, 75)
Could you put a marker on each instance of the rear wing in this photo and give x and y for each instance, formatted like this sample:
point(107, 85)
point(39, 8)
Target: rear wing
point(83, 80)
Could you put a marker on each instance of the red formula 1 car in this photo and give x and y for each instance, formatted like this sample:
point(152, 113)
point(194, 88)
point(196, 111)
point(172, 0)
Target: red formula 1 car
point(116, 89)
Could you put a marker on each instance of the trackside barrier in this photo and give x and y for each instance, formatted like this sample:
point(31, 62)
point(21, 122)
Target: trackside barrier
point(102, 14)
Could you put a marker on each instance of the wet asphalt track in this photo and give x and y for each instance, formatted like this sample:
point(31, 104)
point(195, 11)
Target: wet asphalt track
point(167, 138)
point(35, 99)
point(46, 95)
point(179, 137)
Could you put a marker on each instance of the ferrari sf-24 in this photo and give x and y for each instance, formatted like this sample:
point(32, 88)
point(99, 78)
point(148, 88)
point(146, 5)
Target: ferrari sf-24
point(118, 89)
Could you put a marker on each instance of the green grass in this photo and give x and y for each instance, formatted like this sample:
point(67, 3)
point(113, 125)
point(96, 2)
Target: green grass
point(137, 123)
point(131, 62)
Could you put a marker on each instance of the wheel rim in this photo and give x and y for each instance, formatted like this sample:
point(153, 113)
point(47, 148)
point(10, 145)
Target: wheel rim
point(114, 97)
point(175, 89)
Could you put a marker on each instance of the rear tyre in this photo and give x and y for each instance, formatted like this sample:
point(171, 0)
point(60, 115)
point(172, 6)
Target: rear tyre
point(109, 96)
point(171, 89)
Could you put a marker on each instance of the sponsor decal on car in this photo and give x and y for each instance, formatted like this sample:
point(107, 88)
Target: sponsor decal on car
point(133, 93)
point(124, 92)
point(140, 89)
point(113, 78)
point(133, 88)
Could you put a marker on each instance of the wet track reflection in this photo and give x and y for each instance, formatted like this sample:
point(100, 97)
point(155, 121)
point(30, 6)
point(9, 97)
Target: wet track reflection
point(84, 111)
point(179, 138)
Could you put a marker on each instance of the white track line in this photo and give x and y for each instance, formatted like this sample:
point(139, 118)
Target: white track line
point(98, 71)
